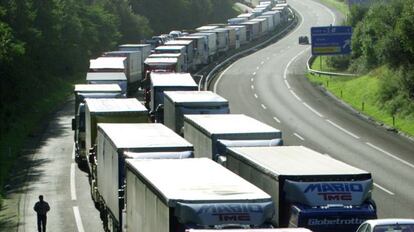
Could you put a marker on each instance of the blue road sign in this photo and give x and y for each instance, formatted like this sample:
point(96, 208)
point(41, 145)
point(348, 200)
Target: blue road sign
point(331, 40)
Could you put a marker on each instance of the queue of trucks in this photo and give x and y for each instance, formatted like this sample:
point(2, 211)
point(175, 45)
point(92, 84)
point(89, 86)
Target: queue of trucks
point(178, 160)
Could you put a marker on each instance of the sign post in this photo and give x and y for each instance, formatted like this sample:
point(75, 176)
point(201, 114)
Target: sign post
point(331, 40)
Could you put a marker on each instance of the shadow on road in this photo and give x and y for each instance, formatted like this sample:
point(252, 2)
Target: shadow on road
point(29, 165)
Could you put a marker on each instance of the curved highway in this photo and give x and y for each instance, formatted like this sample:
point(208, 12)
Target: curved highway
point(270, 86)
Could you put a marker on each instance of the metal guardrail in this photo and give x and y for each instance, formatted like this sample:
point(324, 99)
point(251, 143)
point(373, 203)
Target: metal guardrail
point(204, 82)
point(310, 70)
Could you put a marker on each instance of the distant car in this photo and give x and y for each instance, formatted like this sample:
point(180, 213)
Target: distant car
point(303, 40)
point(385, 225)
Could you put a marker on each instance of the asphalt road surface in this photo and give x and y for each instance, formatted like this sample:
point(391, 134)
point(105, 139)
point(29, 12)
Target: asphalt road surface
point(64, 186)
point(270, 86)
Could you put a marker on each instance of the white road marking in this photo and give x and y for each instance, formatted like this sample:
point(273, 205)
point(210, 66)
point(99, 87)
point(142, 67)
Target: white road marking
point(264, 107)
point(296, 96)
point(218, 80)
point(78, 219)
point(252, 86)
point(257, 67)
point(384, 189)
point(390, 155)
point(287, 84)
point(276, 119)
point(342, 129)
point(313, 110)
point(255, 95)
point(72, 182)
point(254, 74)
point(300, 137)
point(262, 62)
point(252, 79)
point(73, 152)
point(290, 62)
point(267, 58)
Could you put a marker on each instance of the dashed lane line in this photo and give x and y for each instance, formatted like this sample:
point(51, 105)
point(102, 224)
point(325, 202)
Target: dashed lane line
point(300, 137)
point(262, 62)
point(72, 182)
point(342, 129)
point(256, 96)
point(384, 189)
point(78, 219)
point(252, 86)
point(254, 73)
point(391, 155)
point(264, 107)
point(276, 119)
point(252, 79)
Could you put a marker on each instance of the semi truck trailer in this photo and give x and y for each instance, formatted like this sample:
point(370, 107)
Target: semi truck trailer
point(309, 189)
point(212, 134)
point(117, 142)
point(107, 110)
point(175, 195)
point(161, 82)
point(81, 92)
point(118, 78)
point(179, 103)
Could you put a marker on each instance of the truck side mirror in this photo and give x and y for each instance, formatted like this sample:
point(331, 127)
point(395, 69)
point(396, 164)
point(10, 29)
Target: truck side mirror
point(73, 124)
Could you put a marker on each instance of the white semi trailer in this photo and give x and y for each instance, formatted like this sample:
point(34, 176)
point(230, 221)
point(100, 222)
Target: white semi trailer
point(179, 103)
point(212, 134)
point(161, 82)
point(109, 110)
point(309, 189)
point(175, 195)
point(117, 142)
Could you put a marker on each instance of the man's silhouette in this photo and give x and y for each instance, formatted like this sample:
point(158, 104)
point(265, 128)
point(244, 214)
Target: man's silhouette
point(41, 207)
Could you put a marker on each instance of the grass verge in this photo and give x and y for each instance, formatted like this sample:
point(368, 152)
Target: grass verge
point(341, 6)
point(13, 141)
point(362, 94)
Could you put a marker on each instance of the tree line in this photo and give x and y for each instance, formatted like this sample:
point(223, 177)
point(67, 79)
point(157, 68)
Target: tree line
point(383, 36)
point(44, 42)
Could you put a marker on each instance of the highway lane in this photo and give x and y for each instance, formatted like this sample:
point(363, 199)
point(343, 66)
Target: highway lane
point(270, 86)
point(56, 176)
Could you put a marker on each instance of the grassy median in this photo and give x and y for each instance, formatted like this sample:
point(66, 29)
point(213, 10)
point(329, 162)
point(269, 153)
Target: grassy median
point(362, 94)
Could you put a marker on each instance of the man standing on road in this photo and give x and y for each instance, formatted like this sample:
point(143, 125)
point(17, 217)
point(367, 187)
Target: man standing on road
point(41, 207)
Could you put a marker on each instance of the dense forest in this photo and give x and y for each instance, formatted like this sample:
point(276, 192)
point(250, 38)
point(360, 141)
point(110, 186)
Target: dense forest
point(45, 44)
point(383, 37)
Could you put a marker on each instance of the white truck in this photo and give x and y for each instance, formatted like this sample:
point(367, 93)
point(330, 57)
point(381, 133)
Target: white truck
point(161, 82)
point(212, 134)
point(310, 189)
point(81, 92)
point(144, 49)
point(252, 29)
point(211, 38)
point(200, 48)
point(118, 78)
point(133, 64)
point(189, 50)
point(117, 142)
point(180, 57)
point(175, 195)
point(176, 49)
point(222, 39)
point(109, 110)
point(241, 34)
point(180, 103)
